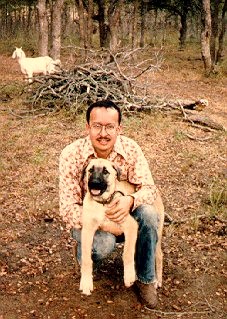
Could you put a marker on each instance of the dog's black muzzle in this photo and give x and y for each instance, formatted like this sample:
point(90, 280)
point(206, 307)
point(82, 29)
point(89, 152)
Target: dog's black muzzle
point(97, 183)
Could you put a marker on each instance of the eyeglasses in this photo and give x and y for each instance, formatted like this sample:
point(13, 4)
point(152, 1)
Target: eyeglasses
point(109, 128)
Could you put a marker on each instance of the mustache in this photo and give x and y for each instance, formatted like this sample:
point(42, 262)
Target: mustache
point(103, 139)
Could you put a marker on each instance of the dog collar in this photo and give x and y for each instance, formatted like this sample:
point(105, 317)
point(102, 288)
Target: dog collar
point(109, 200)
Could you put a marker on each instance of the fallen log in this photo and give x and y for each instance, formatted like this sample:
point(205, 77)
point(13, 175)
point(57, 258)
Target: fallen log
point(205, 121)
point(198, 105)
point(189, 110)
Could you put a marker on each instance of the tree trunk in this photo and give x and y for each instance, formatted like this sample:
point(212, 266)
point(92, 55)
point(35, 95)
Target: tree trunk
point(66, 20)
point(104, 30)
point(184, 26)
point(205, 36)
point(90, 23)
point(29, 19)
point(143, 12)
point(43, 28)
point(83, 26)
point(134, 25)
point(214, 31)
point(113, 19)
point(222, 33)
point(183, 30)
point(56, 29)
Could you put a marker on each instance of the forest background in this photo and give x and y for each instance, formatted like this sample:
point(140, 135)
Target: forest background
point(114, 24)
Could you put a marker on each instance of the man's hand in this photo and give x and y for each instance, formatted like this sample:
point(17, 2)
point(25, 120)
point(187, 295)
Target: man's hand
point(119, 208)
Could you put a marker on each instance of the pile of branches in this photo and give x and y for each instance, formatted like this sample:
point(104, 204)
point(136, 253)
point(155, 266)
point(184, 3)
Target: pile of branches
point(104, 76)
point(78, 87)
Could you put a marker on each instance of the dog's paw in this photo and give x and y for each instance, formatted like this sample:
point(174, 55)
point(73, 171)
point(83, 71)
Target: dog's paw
point(129, 276)
point(157, 283)
point(86, 285)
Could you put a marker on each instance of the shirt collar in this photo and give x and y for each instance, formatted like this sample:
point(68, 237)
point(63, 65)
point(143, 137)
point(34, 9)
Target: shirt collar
point(89, 149)
point(118, 147)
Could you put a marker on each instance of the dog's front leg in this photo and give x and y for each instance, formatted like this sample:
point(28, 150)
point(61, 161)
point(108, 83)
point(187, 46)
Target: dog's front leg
point(86, 281)
point(158, 262)
point(159, 255)
point(130, 229)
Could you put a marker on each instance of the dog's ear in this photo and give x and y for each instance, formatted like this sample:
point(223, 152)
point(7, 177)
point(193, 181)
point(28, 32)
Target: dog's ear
point(118, 170)
point(83, 173)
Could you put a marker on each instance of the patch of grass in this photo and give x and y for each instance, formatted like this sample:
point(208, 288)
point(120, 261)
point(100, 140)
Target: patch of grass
point(12, 89)
point(217, 198)
point(39, 157)
point(40, 130)
point(22, 38)
point(71, 116)
point(187, 166)
point(194, 223)
point(142, 121)
point(189, 161)
point(79, 122)
point(179, 135)
point(2, 165)
point(132, 123)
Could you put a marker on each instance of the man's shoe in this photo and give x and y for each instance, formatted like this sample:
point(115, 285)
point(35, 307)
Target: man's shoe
point(147, 294)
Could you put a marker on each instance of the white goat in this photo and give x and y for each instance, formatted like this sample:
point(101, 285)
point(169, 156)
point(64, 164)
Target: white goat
point(40, 65)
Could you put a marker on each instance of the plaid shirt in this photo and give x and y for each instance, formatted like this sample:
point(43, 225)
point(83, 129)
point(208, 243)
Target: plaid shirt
point(126, 154)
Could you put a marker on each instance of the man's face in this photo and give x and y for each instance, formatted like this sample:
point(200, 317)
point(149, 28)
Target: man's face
point(103, 130)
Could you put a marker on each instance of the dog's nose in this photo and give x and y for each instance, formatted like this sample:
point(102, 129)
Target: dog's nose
point(96, 178)
point(95, 183)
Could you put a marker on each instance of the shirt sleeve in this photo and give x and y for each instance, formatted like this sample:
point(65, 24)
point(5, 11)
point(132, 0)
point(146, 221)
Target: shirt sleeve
point(140, 175)
point(70, 192)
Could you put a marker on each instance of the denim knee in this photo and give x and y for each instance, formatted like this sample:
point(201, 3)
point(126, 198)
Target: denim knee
point(147, 219)
point(103, 244)
point(146, 214)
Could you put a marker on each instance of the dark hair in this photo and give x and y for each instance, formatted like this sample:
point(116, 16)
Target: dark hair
point(107, 105)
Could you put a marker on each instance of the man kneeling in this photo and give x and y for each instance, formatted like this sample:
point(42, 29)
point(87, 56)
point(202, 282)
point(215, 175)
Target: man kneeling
point(104, 140)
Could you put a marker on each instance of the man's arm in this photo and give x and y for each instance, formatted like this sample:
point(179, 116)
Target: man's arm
point(70, 193)
point(140, 175)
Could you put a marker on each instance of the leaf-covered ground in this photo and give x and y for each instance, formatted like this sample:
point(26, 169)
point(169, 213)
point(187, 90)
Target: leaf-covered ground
point(38, 276)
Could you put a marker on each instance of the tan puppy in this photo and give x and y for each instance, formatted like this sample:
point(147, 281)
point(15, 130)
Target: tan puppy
point(103, 186)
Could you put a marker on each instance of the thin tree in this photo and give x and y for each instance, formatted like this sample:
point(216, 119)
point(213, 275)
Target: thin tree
point(85, 13)
point(104, 29)
point(214, 30)
point(113, 13)
point(134, 24)
point(56, 29)
point(184, 26)
point(143, 11)
point(43, 28)
point(90, 22)
point(108, 18)
point(222, 32)
point(205, 36)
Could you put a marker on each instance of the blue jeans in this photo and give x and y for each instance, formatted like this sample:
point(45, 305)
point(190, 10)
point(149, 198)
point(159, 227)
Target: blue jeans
point(104, 243)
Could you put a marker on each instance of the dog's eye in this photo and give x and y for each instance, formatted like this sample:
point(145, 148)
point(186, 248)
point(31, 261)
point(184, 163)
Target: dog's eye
point(91, 170)
point(105, 172)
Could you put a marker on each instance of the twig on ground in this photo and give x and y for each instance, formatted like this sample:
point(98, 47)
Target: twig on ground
point(178, 313)
point(198, 138)
point(170, 220)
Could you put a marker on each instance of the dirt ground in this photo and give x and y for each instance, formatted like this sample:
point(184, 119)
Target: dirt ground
point(38, 275)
